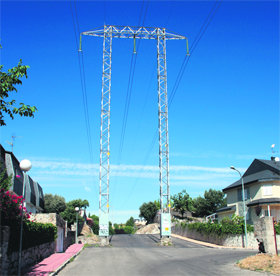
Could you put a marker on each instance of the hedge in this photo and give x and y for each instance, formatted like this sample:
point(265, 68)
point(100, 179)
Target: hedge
point(34, 233)
point(233, 226)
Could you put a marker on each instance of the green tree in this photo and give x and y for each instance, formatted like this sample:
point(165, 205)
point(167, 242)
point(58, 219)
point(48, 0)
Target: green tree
point(111, 230)
point(182, 202)
point(157, 203)
point(210, 203)
point(130, 222)
point(95, 225)
point(9, 80)
point(5, 181)
point(54, 204)
point(148, 211)
point(69, 213)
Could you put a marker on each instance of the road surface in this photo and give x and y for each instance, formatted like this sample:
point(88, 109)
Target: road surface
point(131, 255)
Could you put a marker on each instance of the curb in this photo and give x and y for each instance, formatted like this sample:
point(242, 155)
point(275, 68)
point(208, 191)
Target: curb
point(211, 245)
point(65, 263)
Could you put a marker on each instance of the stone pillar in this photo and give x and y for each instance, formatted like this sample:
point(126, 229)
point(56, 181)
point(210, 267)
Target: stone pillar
point(264, 231)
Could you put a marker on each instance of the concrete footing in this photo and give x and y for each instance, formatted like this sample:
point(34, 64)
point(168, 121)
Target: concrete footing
point(104, 241)
point(165, 241)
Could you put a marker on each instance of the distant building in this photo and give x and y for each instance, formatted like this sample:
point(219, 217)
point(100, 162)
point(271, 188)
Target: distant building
point(34, 196)
point(262, 192)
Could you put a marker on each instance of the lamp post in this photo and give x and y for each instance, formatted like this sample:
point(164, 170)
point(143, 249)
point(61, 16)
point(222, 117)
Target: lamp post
point(25, 166)
point(77, 211)
point(243, 197)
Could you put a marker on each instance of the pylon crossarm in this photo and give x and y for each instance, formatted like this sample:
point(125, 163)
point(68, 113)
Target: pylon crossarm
point(134, 32)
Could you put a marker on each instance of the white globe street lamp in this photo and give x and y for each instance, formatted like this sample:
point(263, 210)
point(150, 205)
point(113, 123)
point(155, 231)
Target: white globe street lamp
point(25, 166)
point(244, 210)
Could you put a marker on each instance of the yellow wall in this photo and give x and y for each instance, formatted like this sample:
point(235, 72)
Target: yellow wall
point(275, 189)
point(256, 191)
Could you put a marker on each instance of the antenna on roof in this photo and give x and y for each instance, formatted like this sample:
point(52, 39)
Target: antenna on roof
point(273, 158)
point(12, 143)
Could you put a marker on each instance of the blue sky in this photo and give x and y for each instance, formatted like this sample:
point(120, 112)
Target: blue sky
point(225, 112)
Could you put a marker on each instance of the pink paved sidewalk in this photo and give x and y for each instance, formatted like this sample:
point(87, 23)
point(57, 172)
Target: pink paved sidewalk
point(54, 261)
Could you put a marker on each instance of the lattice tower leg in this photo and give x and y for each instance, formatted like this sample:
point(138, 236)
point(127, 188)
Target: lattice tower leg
point(163, 128)
point(105, 134)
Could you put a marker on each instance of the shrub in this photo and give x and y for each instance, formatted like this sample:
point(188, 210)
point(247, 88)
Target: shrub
point(129, 229)
point(120, 229)
point(11, 208)
point(34, 233)
point(234, 226)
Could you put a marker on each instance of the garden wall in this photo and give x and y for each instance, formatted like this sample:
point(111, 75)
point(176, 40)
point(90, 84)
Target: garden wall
point(226, 240)
point(30, 256)
point(57, 220)
point(68, 239)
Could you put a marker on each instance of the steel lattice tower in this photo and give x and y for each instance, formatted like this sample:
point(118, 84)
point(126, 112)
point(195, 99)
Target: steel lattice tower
point(159, 34)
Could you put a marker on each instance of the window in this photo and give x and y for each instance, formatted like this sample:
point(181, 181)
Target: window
point(248, 213)
point(246, 192)
point(267, 190)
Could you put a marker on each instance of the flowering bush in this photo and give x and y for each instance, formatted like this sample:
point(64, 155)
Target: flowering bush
point(12, 208)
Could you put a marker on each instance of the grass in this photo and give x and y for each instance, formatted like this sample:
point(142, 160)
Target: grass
point(261, 262)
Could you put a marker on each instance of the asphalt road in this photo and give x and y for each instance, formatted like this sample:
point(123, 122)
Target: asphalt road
point(141, 255)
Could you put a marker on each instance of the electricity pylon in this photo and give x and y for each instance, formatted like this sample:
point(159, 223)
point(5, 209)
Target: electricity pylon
point(159, 34)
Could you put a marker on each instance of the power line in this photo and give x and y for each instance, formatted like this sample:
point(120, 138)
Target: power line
point(197, 39)
point(130, 82)
point(185, 62)
point(76, 28)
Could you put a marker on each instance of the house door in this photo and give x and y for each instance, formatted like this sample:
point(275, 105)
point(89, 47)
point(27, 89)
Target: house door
point(59, 240)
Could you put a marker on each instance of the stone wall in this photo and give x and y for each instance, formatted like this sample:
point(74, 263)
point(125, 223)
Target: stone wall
point(227, 240)
point(30, 256)
point(69, 239)
point(230, 240)
point(57, 220)
point(4, 243)
point(52, 218)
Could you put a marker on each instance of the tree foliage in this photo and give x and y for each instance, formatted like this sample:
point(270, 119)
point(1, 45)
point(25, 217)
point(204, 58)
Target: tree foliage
point(210, 203)
point(54, 203)
point(182, 202)
point(130, 222)
point(95, 225)
point(70, 213)
point(8, 81)
point(148, 211)
point(5, 181)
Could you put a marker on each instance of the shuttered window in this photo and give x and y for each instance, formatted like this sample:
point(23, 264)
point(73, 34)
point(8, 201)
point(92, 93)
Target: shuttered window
point(267, 190)
point(246, 192)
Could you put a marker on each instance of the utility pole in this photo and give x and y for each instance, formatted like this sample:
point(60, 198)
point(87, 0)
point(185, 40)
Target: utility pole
point(160, 35)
